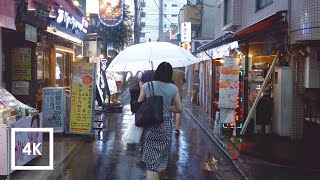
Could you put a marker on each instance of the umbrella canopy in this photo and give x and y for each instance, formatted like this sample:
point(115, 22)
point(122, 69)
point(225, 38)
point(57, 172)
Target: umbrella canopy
point(147, 56)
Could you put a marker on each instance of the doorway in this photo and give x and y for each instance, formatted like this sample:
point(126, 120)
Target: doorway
point(63, 69)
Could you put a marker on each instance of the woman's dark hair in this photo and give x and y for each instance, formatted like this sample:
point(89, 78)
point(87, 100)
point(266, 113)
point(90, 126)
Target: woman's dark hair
point(163, 73)
point(37, 119)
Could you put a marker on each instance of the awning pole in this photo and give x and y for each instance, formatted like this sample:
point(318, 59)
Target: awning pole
point(253, 108)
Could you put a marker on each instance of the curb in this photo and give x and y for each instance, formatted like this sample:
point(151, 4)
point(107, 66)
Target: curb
point(235, 162)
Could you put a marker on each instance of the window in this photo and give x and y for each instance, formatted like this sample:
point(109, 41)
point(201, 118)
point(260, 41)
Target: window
point(165, 5)
point(174, 15)
point(142, 4)
point(142, 24)
point(174, 5)
point(143, 34)
point(227, 12)
point(165, 25)
point(263, 3)
point(165, 15)
point(142, 14)
point(42, 56)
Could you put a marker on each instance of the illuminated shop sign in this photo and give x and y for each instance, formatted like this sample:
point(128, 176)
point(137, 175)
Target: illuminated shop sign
point(65, 19)
point(111, 12)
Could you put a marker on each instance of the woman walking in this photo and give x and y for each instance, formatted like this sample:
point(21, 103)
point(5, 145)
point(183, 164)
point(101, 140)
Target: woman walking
point(157, 138)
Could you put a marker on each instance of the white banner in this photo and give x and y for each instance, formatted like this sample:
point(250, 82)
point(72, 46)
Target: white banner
point(185, 32)
point(54, 108)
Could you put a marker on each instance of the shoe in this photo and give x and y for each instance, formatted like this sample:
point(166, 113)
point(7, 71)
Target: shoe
point(177, 132)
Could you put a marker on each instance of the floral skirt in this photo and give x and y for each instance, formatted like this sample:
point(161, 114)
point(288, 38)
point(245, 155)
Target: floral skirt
point(156, 145)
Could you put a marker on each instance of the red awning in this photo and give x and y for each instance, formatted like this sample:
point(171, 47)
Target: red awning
point(274, 21)
point(7, 14)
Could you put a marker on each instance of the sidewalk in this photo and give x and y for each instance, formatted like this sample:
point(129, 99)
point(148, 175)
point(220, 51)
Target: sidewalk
point(266, 157)
point(64, 145)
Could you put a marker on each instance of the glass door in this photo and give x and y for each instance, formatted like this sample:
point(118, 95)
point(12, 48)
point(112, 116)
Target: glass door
point(62, 71)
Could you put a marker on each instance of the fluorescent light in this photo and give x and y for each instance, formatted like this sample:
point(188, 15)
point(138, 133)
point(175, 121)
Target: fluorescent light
point(76, 3)
point(64, 35)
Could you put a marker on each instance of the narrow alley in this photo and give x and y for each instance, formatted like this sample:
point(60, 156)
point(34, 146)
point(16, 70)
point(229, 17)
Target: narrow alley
point(193, 155)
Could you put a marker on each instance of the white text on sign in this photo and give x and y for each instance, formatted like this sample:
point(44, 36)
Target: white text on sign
point(35, 150)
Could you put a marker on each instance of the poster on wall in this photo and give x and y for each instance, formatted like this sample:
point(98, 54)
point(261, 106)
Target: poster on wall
point(54, 108)
point(111, 12)
point(22, 138)
point(21, 64)
point(229, 83)
point(82, 98)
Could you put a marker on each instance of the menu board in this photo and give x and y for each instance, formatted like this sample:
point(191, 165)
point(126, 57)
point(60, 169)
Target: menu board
point(229, 83)
point(54, 108)
point(21, 64)
point(82, 98)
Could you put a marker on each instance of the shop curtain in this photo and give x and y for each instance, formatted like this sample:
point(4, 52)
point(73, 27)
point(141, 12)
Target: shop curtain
point(7, 14)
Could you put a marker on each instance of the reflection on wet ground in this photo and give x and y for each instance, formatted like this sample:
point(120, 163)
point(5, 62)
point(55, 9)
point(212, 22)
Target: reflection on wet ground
point(192, 156)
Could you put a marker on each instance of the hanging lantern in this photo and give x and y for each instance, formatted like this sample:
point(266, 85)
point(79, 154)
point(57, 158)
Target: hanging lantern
point(31, 5)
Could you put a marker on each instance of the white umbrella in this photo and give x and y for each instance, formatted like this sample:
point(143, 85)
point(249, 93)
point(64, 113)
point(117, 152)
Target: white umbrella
point(147, 56)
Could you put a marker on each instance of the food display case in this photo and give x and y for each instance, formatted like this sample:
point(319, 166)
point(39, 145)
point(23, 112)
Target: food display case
point(15, 114)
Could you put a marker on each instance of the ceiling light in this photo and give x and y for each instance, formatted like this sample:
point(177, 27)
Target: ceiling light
point(76, 3)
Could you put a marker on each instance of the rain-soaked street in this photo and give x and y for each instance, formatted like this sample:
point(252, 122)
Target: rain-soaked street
point(193, 155)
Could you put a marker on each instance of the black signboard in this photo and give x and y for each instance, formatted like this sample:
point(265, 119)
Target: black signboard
point(39, 17)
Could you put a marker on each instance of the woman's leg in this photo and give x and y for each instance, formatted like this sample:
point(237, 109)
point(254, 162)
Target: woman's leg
point(152, 175)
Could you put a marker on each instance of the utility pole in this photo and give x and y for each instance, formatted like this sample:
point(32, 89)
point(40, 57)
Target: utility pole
point(160, 17)
point(136, 27)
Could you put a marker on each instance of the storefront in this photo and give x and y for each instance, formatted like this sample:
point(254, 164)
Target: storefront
point(256, 48)
point(49, 38)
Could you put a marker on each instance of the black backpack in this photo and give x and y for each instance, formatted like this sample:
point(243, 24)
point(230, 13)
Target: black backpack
point(133, 84)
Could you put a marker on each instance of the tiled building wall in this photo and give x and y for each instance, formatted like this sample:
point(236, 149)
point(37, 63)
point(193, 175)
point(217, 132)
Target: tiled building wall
point(248, 13)
point(297, 63)
point(207, 19)
point(305, 24)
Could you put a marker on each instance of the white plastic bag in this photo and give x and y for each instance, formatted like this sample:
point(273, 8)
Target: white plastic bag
point(133, 134)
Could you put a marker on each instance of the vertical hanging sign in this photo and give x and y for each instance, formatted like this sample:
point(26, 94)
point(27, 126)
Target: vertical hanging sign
point(111, 12)
point(82, 98)
point(185, 29)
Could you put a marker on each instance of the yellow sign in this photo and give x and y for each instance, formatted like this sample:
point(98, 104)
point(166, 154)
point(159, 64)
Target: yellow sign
point(21, 64)
point(82, 98)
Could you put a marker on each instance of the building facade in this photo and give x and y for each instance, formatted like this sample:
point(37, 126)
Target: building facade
point(264, 28)
point(158, 17)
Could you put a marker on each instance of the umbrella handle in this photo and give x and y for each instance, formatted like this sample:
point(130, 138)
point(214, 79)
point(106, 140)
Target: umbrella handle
point(151, 65)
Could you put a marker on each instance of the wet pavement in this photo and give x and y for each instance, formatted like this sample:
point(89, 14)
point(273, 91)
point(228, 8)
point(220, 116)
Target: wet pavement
point(253, 166)
point(193, 155)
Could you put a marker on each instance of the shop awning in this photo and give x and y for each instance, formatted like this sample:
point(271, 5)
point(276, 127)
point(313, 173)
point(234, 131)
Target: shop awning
point(7, 14)
point(269, 24)
point(214, 43)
